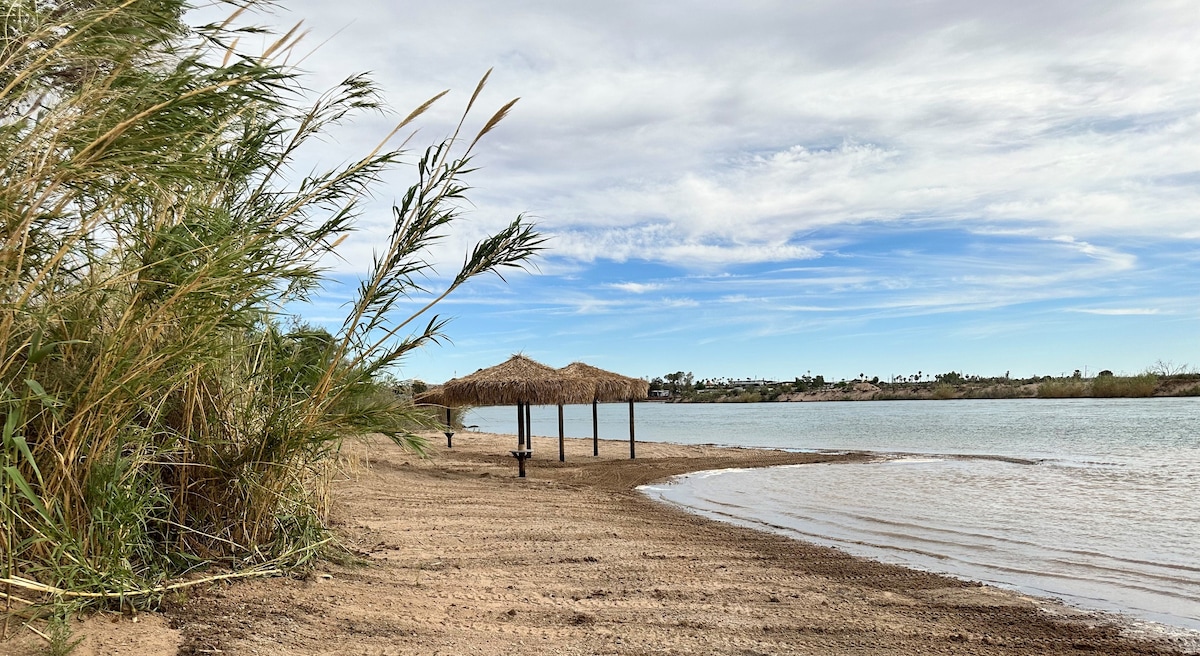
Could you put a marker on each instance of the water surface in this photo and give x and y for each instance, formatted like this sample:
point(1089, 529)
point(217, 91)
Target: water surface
point(1094, 501)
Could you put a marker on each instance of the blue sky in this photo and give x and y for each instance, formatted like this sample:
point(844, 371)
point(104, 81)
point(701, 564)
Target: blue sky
point(765, 189)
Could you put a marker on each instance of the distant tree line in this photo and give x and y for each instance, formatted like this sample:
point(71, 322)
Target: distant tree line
point(1160, 379)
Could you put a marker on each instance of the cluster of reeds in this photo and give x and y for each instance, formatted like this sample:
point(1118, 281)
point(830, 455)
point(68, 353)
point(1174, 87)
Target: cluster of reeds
point(1000, 391)
point(158, 412)
point(943, 391)
point(1107, 386)
point(1062, 389)
point(1125, 386)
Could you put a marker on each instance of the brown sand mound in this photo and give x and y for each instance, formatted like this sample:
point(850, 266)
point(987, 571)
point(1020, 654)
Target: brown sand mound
point(454, 555)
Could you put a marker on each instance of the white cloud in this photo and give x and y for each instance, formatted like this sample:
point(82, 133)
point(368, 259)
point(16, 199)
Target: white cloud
point(678, 303)
point(1119, 312)
point(737, 129)
point(636, 287)
point(663, 243)
point(1116, 260)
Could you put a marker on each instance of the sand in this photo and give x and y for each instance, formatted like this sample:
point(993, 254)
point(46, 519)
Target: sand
point(455, 555)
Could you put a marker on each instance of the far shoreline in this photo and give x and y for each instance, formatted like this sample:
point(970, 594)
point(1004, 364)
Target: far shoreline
point(1145, 386)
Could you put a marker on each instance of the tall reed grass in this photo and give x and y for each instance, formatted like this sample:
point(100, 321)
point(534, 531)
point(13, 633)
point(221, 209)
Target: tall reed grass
point(1125, 386)
point(158, 412)
point(943, 391)
point(1061, 389)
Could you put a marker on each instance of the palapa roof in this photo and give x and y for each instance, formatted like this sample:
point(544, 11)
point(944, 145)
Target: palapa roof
point(610, 386)
point(435, 395)
point(518, 379)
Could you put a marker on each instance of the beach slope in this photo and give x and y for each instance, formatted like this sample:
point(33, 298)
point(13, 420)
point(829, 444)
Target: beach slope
point(455, 555)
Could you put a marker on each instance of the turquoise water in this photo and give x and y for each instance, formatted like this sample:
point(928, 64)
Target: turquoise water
point(1096, 502)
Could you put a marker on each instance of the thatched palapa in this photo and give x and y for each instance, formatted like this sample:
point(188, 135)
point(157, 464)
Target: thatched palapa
point(518, 380)
point(433, 396)
point(610, 386)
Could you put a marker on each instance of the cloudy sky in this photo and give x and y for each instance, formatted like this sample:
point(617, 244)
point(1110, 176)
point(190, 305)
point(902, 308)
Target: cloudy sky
point(766, 188)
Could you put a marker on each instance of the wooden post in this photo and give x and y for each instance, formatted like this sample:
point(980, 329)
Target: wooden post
point(562, 447)
point(520, 456)
point(631, 440)
point(520, 427)
point(595, 430)
point(528, 430)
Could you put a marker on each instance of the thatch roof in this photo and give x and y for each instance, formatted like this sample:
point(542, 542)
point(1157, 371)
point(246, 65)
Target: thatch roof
point(518, 379)
point(610, 386)
point(435, 395)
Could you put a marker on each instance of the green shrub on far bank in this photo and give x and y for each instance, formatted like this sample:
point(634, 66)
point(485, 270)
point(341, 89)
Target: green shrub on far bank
point(1061, 389)
point(743, 397)
point(997, 392)
point(1125, 386)
point(897, 395)
point(945, 391)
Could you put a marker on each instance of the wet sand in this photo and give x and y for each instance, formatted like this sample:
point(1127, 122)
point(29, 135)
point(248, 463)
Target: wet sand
point(456, 555)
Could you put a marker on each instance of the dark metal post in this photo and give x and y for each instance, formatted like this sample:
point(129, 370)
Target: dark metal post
point(631, 440)
point(520, 426)
point(449, 430)
point(595, 430)
point(529, 430)
point(562, 447)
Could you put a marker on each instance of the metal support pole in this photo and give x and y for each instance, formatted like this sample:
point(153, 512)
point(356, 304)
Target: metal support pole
point(595, 430)
point(562, 446)
point(631, 440)
point(449, 430)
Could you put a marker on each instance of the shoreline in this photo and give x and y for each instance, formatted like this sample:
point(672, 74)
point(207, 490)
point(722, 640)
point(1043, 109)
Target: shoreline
point(455, 555)
point(1183, 637)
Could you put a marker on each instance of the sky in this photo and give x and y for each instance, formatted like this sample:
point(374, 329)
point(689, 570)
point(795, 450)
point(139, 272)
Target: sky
point(769, 189)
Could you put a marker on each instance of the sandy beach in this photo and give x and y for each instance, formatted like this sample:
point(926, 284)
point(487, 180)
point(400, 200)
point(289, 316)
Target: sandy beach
point(456, 555)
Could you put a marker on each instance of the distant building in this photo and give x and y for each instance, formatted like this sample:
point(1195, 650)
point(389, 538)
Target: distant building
point(660, 394)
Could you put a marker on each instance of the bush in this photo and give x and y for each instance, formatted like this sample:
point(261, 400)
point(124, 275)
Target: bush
point(156, 411)
point(1061, 389)
point(898, 395)
point(944, 391)
point(1125, 386)
point(742, 397)
point(999, 391)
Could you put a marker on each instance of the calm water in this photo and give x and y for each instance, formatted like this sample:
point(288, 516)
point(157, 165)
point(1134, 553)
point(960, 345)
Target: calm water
point(1093, 501)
